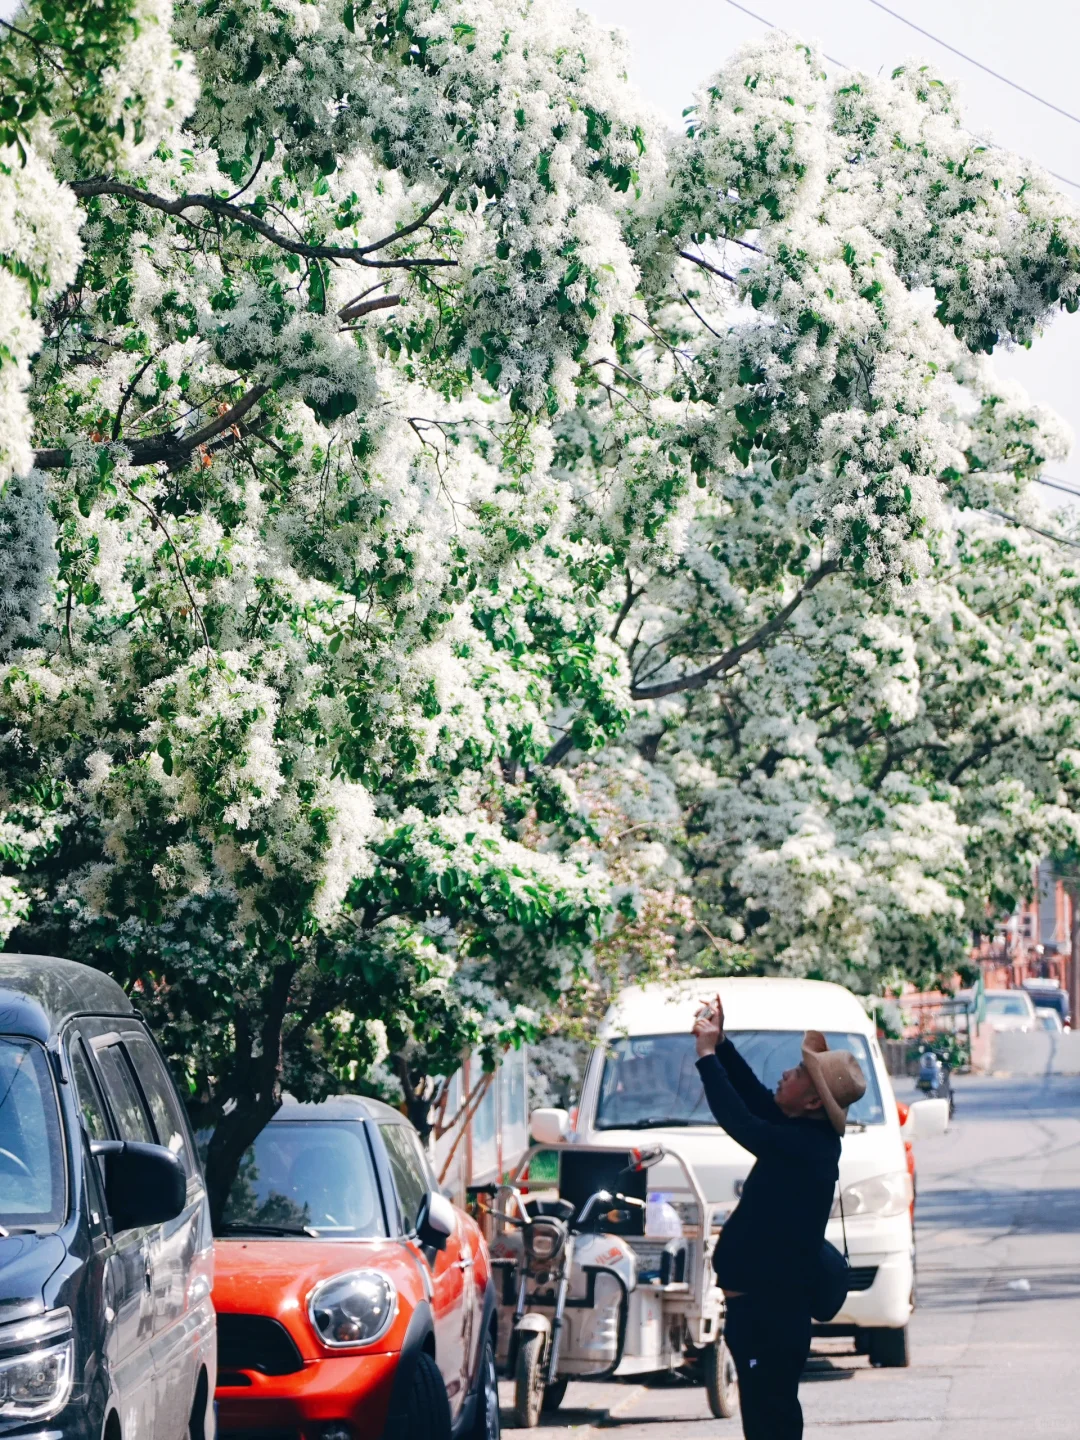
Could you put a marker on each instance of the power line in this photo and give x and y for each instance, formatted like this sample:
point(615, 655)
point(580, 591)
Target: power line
point(1036, 529)
point(989, 143)
point(769, 25)
point(1057, 485)
point(978, 65)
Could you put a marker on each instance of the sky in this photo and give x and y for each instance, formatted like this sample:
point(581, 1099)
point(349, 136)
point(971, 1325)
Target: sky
point(677, 44)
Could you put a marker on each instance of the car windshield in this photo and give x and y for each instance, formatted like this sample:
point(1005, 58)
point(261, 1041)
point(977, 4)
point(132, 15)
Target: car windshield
point(307, 1177)
point(32, 1189)
point(651, 1080)
point(1008, 1005)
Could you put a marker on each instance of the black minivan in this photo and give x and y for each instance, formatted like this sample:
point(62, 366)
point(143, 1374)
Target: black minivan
point(106, 1258)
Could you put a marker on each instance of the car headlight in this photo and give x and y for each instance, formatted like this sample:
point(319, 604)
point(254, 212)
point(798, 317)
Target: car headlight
point(356, 1308)
point(881, 1195)
point(37, 1366)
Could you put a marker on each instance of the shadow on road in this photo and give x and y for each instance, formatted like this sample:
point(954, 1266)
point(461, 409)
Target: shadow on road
point(1048, 1211)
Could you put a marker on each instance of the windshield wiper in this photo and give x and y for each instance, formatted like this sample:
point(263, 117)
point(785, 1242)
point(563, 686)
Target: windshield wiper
point(650, 1122)
point(251, 1227)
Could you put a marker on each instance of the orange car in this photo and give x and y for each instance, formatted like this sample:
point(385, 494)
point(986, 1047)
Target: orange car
point(353, 1299)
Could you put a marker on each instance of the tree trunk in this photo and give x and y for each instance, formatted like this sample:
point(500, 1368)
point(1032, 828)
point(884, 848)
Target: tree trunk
point(233, 1134)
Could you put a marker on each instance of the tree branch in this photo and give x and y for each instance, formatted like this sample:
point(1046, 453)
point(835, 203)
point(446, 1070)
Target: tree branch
point(167, 448)
point(731, 657)
point(560, 749)
point(712, 269)
point(358, 254)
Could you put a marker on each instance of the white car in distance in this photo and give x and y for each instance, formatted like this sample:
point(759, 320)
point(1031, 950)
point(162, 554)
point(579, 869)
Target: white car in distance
point(1011, 1010)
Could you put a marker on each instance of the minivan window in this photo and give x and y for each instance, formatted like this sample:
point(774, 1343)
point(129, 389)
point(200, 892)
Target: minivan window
point(122, 1093)
point(89, 1097)
point(32, 1188)
point(169, 1122)
point(652, 1080)
point(308, 1178)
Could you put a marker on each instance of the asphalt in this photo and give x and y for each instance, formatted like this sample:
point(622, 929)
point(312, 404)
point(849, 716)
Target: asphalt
point(996, 1333)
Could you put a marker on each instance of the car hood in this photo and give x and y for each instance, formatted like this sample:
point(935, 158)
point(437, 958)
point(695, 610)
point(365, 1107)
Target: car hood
point(275, 1278)
point(26, 1263)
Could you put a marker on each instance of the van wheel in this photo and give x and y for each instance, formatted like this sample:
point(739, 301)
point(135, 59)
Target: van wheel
point(889, 1348)
point(197, 1423)
point(529, 1379)
point(721, 1380)
point(427, 1413)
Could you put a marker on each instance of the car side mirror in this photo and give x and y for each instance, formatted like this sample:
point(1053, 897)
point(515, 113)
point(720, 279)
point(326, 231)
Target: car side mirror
point(549, 1127)
point(144, 1184)
point(435, 1222)
point(927, 1119)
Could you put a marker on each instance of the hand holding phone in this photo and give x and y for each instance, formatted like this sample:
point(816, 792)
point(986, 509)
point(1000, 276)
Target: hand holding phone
point(708, 1028)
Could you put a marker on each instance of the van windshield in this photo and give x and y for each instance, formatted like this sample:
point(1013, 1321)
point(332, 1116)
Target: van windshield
point(32, 1189)
point(306, 1177)
point(651, 1080)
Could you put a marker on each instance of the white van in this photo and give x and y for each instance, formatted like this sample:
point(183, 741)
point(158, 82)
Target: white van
point(641, 1086)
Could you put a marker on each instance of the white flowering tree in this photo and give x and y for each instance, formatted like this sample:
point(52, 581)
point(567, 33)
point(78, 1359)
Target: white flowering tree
point(457, 524)
point(861, 681)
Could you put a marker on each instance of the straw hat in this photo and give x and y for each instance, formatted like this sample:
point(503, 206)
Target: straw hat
point(837, 1077)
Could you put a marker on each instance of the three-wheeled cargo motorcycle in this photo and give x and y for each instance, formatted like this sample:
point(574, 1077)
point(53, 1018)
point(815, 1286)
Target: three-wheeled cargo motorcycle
point(600, 1278)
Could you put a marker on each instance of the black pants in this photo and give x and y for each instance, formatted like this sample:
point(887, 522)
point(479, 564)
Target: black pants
point(769, 1340)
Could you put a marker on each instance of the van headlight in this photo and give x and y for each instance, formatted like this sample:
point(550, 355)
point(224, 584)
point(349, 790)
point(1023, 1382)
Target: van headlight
point(881, 1195)
point(356, 1308)
point(37, 1366)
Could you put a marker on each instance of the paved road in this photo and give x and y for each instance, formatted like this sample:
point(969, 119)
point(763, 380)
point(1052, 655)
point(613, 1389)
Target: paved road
point(999, 1203)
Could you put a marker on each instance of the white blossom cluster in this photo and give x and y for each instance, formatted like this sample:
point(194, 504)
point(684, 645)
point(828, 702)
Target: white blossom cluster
point(477, 550)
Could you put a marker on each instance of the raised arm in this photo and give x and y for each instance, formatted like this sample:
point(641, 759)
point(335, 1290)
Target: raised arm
point(760, 1137)
point(710, 1038)
point(757, 1097)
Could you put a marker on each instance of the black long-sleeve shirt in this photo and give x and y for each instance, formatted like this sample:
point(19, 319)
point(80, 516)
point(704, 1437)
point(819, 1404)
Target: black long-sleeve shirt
point(773, 1238)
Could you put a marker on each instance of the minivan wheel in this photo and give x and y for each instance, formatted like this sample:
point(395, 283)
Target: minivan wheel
point(427, 1411)
point(889, 1348)
point(721, 1380)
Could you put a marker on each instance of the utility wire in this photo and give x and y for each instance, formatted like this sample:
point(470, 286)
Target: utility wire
point(1057, 485)
point(1036, 529)
point(977, 63)
point(1063, 178)
point(769, 25)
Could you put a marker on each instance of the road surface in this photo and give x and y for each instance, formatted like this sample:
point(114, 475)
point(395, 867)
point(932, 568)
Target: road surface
point(996, 1336)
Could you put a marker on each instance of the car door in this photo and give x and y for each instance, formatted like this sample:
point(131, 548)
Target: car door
point(447, 1266)
point(175, 1250)
point(126, 1285)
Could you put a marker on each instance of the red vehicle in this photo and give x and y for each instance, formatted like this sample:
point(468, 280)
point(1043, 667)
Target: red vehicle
point(353, 1299)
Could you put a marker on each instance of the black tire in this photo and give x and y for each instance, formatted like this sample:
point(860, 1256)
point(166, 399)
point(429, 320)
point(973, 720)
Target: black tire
point(197, 1423)
point(486, 1425)
point(721, 1381)
point(427, 1413)
point(529, 1379)
point(889, 1348)
point(555, 1394)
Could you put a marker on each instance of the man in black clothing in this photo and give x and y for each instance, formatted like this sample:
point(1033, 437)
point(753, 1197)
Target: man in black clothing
point(768, 1252)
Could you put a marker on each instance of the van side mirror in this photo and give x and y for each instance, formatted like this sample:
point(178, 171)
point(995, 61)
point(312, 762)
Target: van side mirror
point(549, 1127)
point(927, 1119)
point(144, 1184)
point(435, 1222)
